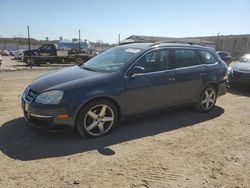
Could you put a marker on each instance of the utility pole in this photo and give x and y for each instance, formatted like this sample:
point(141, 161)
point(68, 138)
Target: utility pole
point(217, 41)
point(17, 46)
point(29, 59)
point(79, 41)
point(248, 38)
point(119, 39)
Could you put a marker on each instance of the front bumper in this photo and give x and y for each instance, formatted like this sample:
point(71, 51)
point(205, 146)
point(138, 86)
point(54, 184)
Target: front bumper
point(240, 79)
point(46, 116)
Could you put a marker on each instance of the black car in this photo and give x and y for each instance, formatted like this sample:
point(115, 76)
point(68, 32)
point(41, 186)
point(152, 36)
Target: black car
point(225, 56)
point(45, 53)
point(240, 72)
point(123, 81)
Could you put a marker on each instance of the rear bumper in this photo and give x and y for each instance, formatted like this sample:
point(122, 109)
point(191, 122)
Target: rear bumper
point(222, 87)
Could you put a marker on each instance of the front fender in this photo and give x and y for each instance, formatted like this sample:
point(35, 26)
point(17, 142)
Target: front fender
point(99, 95)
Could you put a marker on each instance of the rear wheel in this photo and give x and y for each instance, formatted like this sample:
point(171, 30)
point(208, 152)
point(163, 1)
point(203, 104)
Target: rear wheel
point(97, 118)
point(207, 99)
point(30, 61)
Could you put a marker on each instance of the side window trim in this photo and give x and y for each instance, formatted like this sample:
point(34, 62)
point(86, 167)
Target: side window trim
point(172, 59)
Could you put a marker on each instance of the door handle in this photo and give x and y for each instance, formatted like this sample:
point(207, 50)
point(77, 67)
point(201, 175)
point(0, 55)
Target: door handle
point(203, 74)
point(171, 79)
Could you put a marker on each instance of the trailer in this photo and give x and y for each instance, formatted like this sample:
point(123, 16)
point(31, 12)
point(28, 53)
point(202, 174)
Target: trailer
point(62, 52)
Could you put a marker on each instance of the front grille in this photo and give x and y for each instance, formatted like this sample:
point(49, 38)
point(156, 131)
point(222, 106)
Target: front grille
point(29, 95)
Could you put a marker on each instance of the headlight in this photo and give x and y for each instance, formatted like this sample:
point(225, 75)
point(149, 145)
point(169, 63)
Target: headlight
point(50, 97)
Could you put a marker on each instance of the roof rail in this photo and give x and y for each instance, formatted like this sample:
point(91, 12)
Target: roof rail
point(182, 42)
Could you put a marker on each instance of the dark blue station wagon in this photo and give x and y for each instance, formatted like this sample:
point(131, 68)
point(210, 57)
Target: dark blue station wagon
point(125, 80)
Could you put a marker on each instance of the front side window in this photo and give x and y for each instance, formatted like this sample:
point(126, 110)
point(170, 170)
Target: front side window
point(185, 58)
point(44, 48)
point(48, 48)
point(155, 61)
point(207, 57)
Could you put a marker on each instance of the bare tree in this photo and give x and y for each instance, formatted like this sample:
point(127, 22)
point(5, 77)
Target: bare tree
point(99, 42)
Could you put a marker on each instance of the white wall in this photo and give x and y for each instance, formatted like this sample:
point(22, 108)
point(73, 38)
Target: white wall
point(13, 46)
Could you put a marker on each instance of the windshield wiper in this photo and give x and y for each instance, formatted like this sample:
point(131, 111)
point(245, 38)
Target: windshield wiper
point(86, 68)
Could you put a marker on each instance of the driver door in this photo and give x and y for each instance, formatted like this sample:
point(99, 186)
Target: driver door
point(153, 88)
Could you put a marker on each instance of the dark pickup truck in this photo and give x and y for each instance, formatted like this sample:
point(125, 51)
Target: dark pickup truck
point(63, 52)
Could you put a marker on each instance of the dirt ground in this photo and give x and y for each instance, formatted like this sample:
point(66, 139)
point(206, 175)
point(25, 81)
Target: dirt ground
point(178, 148)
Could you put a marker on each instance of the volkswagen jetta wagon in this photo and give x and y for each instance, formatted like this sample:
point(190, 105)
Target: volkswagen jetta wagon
point(122, 81)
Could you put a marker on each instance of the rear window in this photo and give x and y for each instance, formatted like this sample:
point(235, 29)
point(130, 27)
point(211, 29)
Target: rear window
point(207, 57)
point(223, 54)
point(185, 58)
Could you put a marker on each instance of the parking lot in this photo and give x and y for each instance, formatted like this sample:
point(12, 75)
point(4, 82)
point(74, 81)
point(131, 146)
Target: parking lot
point(176, 148)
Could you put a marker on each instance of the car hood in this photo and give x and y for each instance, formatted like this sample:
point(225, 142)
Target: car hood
point(62, 78)
point(245, 67)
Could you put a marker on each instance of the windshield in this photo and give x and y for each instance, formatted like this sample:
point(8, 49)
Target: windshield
point(245, 60)
point(111, 60)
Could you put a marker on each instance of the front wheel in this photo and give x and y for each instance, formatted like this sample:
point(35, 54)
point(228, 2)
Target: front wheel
point(207, 99)
point(97, 118)
point(79, 60)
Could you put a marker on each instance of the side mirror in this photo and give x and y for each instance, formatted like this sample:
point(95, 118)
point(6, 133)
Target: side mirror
point(136, 71)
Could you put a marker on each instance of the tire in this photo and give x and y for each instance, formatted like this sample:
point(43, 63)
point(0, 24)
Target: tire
point(31, 61)
point(207, 99)
point(97, 118)
point(62, 61)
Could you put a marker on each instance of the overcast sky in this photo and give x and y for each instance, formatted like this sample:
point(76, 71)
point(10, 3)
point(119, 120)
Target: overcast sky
point(104, 19)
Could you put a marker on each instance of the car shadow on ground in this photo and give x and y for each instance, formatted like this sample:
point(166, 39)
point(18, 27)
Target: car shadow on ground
point(20, 141)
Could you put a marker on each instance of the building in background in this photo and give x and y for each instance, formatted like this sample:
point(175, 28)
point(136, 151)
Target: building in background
point(153, 39)
point(237, 45)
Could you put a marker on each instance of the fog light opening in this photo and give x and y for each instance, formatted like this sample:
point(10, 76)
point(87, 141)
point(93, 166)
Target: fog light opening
point(63, 116)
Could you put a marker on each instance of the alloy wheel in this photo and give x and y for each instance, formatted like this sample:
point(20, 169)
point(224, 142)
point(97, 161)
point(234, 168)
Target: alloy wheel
point(99, 120)
point(208, 99)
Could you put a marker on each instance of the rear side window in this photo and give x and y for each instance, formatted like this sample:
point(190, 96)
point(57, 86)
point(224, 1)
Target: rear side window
point(207, 57)
point(157, 60)
point(185, 58)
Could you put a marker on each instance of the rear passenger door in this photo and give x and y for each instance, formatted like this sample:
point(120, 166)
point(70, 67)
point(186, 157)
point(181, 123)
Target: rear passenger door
point(189, 73)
